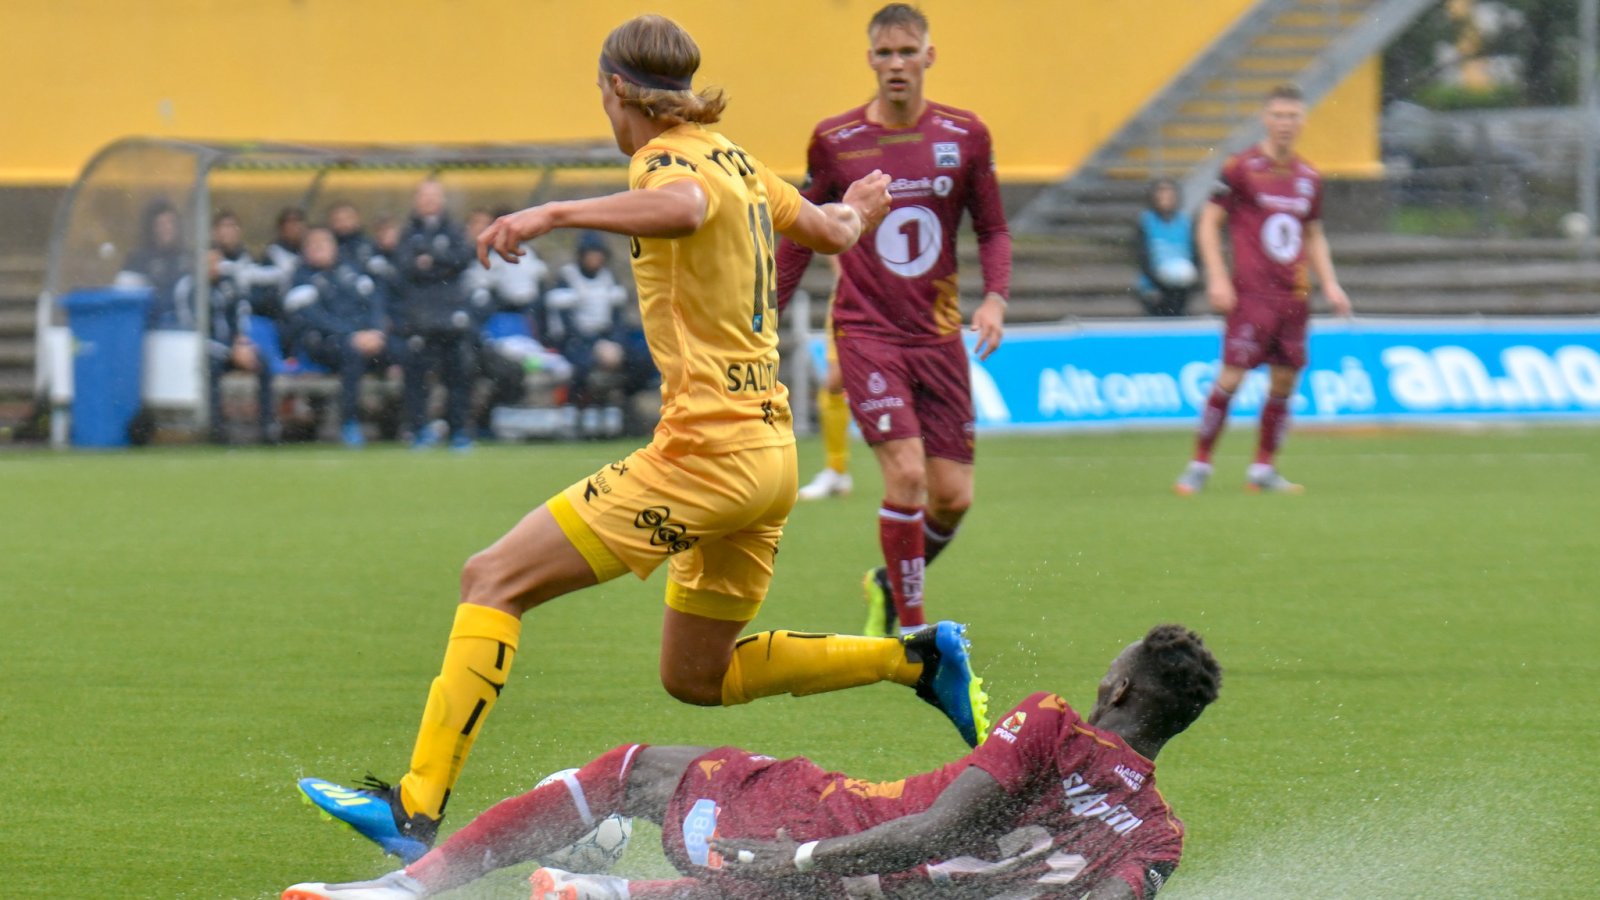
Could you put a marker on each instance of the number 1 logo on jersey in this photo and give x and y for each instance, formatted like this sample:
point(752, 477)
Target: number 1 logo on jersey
point(910, 240)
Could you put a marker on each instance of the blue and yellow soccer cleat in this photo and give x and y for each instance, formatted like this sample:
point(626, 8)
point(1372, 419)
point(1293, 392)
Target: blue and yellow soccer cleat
point(881, 618)
point(947, 680)
point(374, 811)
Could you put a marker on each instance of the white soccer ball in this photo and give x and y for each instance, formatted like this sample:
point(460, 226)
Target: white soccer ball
point(1177, 273)
point(595, 852)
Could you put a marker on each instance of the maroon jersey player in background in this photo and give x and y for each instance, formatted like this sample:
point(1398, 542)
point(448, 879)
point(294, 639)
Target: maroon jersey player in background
point(896, 315)
point(1051, 805)
point(1272, 202)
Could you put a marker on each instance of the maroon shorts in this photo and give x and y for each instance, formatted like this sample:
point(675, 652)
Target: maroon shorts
point(1269, 330)
point(730, 792)
point(910, 391)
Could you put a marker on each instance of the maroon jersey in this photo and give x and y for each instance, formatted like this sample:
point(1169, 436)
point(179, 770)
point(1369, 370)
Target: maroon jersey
point(899, 282)
point(1268, 205)
point(1089, 811)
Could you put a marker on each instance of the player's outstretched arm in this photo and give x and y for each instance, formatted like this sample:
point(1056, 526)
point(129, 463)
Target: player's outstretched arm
point(835, 227)
point(1322, 263)
point(673, 210)
point(972, 807)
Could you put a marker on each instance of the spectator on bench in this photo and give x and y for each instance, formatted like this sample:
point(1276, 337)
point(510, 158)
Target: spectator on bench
point(229, 347)
point(433, 314)
point(583, 315)
point(256, 282)
point(158, 263)
point(355, 248)
point(281, 259)
point(504, 296)
point(1163, 242)
point(337, 317)
point(360, 251)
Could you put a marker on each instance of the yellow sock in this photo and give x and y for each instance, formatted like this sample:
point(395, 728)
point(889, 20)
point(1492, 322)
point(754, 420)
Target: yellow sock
point(483, 642)
point(833, 414)
point(794, 662)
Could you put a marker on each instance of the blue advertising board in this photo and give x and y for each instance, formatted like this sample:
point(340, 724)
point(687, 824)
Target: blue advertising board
point(1361, 371)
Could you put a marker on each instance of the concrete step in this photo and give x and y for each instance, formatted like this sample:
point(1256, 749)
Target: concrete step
point(16, 384)
point(1496, 303)
point(1223, 120)
point(22, 262)
point(16, 321)
point(1121, 190)
point(1262, 69)
point(1304, 41)
point(1095, 213)
point(1302, 55)
point(1416, 248)
point(1471, 277)
point(16, 352)
point(14, 286)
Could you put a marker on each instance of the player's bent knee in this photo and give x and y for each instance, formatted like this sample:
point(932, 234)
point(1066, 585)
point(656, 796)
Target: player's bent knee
point(1230, 378)
point(483, 582)
point(695, 691)
point(907, 479)
point(949, 508)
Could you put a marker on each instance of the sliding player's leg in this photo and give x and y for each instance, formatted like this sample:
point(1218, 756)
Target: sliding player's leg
point(631, 780)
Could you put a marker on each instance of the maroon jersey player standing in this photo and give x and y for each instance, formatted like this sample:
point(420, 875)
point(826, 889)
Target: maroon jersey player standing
point(1271, 200)
point(1051, 805)
point(896, 316)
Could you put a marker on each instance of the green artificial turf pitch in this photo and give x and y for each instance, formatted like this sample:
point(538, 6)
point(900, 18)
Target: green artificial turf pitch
point(1412, 652)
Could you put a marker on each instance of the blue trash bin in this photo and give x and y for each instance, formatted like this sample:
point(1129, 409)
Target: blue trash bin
point(107, 327)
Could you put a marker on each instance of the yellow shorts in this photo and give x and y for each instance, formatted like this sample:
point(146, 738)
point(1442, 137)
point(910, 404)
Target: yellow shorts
point(715, 519)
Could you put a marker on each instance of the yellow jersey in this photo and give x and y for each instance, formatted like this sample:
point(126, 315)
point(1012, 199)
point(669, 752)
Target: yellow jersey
point(707, 300)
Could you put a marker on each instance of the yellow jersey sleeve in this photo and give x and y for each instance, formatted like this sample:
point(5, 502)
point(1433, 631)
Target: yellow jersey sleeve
point(659, 164)
point(783, 199)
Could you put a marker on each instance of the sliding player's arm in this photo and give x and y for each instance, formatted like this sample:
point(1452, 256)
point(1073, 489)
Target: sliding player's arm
point(671, 210)
point(970, 809)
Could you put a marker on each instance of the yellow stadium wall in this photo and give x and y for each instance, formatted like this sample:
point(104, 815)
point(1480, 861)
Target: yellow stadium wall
point(1052, 79)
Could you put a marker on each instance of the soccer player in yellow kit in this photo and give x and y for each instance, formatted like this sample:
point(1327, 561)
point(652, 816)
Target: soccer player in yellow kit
point(710, 494)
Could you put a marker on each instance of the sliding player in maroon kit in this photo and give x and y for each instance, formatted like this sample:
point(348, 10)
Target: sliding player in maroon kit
point(1271, 200)
point(1052, 805)
point(896, 314)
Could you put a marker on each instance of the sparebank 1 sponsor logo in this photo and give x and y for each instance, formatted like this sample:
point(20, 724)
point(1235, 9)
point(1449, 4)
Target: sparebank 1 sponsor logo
point(1083, 800)
point(1453, 378)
